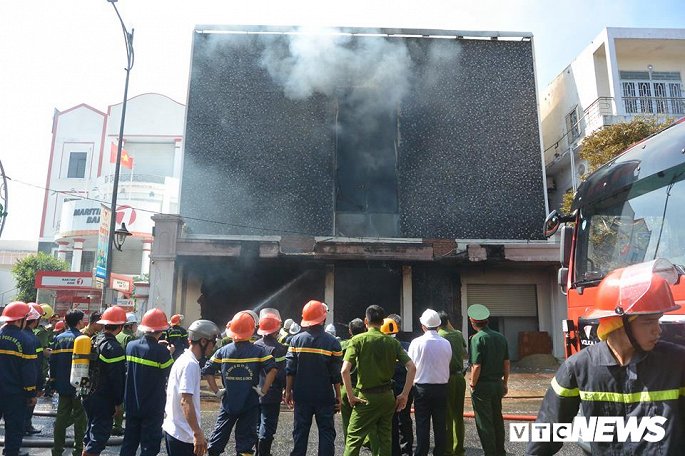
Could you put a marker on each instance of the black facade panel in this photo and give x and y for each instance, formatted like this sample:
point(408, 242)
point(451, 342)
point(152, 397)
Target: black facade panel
point(438, 288)
point(271, 119)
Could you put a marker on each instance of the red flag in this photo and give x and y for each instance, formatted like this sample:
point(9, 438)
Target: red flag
point(126, 159)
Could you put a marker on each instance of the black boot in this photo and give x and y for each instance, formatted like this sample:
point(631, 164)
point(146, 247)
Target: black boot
point(264, 447)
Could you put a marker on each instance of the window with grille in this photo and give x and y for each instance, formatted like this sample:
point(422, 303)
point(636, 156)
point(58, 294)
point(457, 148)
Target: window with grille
point(658, 92)
point(572, 125)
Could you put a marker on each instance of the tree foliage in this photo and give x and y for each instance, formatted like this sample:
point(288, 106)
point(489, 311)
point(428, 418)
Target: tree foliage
point(603, 145)
point(24, 272)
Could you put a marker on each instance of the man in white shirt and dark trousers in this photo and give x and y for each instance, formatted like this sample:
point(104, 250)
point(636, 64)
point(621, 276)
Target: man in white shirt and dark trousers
point(182, 431)
point(431, 354)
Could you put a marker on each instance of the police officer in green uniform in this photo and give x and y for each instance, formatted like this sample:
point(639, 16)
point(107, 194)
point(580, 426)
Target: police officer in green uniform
point(372, 399)
point(456, 387)
point(489, 377)
point(355, 327)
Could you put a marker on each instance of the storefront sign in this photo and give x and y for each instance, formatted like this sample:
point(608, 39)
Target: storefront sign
point(59, 280)
point(121, 283)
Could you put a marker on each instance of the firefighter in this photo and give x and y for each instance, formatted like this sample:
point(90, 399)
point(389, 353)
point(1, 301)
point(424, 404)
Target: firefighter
point(270, 404)
point(313, 380)
point(630, 373)
point(489, 378)
point(17, 374)
point(176, 335)
point(147, 368)
point(284, 332)
point(106, 398)
point(240, 363)
point(93, 327)
point(129, 332)
point(32, 320)
point(70, 408)
point(456, 387)
point(59, 328)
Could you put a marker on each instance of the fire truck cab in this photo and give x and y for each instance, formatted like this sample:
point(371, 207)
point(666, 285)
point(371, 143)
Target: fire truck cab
point(631, 210)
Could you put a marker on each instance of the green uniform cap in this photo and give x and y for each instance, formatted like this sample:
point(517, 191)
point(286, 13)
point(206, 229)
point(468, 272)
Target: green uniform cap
point(478, 312)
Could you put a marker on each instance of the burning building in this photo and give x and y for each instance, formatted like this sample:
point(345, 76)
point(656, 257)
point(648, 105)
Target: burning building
point(392, 167)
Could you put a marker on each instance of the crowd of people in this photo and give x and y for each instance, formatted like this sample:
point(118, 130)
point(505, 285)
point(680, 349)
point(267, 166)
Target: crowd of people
point(152, 368)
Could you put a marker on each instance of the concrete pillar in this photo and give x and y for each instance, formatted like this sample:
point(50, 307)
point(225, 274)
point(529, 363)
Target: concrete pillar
point(163, 262)
point(62, 250)
point(145, 262)
point(329, 293)
point(76, 256)
point(407, 300)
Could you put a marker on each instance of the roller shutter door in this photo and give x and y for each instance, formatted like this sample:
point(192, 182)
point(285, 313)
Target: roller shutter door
point(504, 300)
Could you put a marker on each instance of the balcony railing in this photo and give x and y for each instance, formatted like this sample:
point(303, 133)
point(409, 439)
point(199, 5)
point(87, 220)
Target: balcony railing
point(654, 105)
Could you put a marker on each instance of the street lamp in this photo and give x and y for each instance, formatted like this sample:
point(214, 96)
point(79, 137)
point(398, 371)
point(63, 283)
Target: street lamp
point(130, 57)
point(120, 236)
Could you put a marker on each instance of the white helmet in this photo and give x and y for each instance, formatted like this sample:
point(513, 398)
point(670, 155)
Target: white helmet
point(131, 318)
point(294, 328)
point(330, 329)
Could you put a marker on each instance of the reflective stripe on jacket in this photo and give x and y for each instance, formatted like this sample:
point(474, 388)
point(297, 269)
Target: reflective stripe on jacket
point(18, 362)
point(147, 368)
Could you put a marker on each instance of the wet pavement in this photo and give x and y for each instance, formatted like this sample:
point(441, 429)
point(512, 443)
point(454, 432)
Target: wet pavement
point(525, 394)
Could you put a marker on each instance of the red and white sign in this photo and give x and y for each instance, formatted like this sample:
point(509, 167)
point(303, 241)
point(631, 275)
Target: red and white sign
point(121, 283)
point(61, 280)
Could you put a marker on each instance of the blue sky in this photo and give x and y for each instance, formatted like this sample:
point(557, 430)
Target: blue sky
point(60, 53)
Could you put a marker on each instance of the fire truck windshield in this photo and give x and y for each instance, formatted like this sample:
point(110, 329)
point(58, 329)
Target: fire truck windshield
point(638, 224)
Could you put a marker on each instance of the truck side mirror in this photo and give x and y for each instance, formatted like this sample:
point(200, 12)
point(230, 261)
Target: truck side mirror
point(552, 223)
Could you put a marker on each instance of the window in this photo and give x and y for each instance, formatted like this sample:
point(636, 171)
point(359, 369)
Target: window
point(572, 125)
point(644, 92)
point(77, 165)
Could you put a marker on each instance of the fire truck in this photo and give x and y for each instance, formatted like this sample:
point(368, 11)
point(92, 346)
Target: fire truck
point(629, 211)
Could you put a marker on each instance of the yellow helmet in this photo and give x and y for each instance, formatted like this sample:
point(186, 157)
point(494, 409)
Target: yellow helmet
point(48, 311)
point(389, 326)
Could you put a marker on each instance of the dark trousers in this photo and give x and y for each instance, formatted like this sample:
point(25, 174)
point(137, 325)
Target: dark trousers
point(487, 406)
point(100, 413)
point(403, 429)
point(268, 424)
point(175, 447)
point(13, 410)
point(145, 431)
point(303, 415)
point(245, 431)
point(430, 404)
point(28, 418)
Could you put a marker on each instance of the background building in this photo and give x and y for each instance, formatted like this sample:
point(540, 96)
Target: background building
point(623, 73)
point(392, 167)
point(81, 171)
point(10, 253)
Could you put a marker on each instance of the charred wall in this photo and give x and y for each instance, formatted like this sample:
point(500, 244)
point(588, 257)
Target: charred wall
point(362, 136)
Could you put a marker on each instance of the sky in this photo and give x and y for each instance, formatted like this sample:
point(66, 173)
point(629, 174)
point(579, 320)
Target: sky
point(56, 54)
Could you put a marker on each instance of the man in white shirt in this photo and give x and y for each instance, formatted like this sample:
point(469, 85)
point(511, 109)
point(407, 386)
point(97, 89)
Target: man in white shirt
point(182, 431)
point(431, 354)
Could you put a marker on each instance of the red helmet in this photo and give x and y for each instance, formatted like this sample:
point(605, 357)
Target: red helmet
point(14, 311)
point(635, 290)
point(314, 312)
point(176, 319)
point(114, 315)
point(36, 311)
point(154, 320)
point(59, 326)
point(241, 327)
point(269, 321)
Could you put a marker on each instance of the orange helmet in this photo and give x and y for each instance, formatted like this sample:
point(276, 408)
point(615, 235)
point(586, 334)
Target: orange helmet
point(389, 326)
point(114, 315)
point(641, 289)
point(14, 311)
point(154, 320)
point(269, 321)
point(176, 319)
point(59, 326)
point(241, 327)
point(314, 312)
point(36, 311)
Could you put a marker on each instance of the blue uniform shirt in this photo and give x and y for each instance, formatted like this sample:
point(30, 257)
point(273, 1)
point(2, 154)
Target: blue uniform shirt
point(60, 361)
point(112, 365)
point(278, 351)
point(315, 359)
point(147, 368)
point(178, 337)
point(400, 375)
point(17, 363)
point(240, 364)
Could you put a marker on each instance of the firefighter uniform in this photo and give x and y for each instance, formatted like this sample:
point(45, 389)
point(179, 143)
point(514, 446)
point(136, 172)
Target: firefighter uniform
point(375, 355)
point(651, 384)
point(38, 366)
point(402, 425)
point(456, 389)
point(108, 393)
point(489, 349)
point(17, 383)
point(147, 368)
point(314, 359)
point(270, 404)
point(240, 364)
point(69, 409)
point(178, 337)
